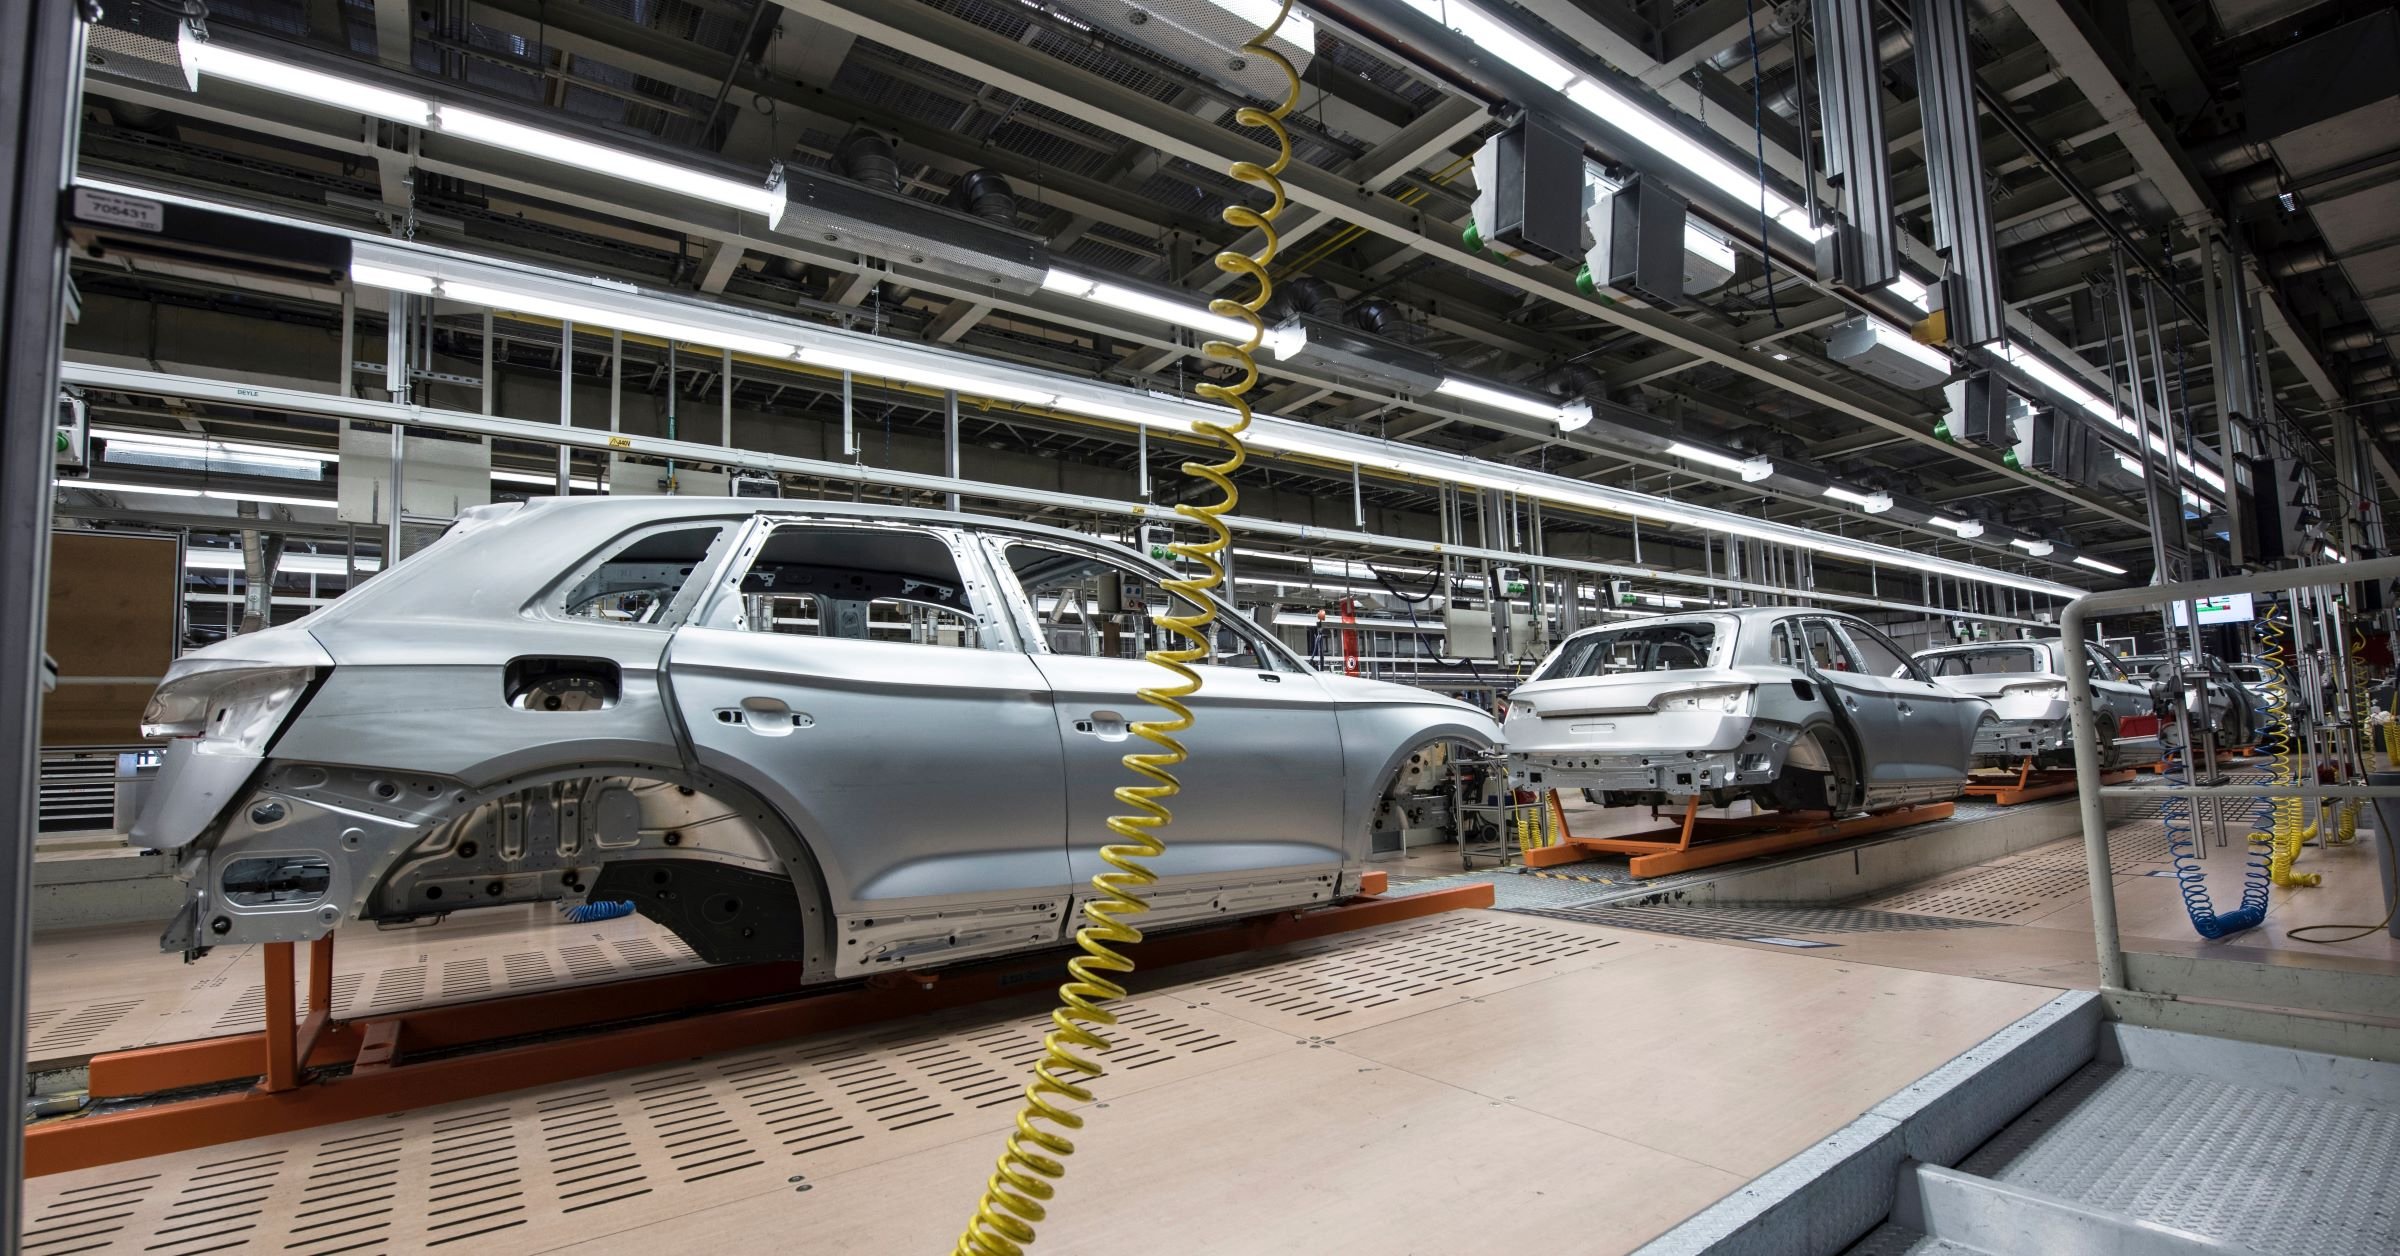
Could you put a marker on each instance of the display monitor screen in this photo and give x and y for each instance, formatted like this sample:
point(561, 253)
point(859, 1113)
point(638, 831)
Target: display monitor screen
point(2225, 608)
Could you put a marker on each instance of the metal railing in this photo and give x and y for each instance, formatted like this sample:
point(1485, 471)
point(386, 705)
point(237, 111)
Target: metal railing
point(2216, 994)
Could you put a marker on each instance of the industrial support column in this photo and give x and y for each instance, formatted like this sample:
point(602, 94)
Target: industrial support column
point(950, 440)
point(1962, 217)
point(40, 82)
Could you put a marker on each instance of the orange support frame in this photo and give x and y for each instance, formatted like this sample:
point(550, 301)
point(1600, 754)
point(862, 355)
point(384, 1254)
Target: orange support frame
point(1706, 841)
point(2033, 784)
point(729, 1009)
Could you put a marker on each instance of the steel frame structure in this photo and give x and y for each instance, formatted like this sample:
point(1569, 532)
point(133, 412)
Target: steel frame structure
point(2259, 1002)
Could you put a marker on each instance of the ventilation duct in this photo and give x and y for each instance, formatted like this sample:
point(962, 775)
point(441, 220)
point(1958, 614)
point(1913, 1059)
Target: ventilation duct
point(867, 158)
point(986, 195)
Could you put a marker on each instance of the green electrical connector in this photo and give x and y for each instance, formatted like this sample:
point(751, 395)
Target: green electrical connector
point(1472, 237)
point(1583, 281)
point(1941, 431)
point(2009, 459)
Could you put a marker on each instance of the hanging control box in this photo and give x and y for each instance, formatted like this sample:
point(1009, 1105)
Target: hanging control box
point(1529, 191)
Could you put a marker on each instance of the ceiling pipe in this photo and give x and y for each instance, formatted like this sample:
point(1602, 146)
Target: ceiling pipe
point(2297, 260)
point(2350, 338)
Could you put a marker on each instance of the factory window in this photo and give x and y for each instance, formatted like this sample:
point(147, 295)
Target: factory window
point(1100, 608)
point(636, 584)
point(895, 585)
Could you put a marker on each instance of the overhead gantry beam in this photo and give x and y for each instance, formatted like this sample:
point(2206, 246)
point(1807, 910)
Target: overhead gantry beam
point(951, 41)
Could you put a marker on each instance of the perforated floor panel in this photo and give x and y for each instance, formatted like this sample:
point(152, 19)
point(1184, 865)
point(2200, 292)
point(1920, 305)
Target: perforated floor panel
point(2268, 1171)
point(597, 1156)
point(1751, 924)
point(78, 1012)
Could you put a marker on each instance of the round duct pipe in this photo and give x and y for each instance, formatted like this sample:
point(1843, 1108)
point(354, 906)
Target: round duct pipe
point(985, 194)
point(1374, 316)
point(867, 157)
point(1781, 21)
point(2298, 260)
point(2234, 152)
point(2350, 338)
point(2254, 185)
point(2040, 225)
point(2093, 238)
point(1305, 295)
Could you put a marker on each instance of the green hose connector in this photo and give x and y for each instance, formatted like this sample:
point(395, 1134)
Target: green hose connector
point(1941, 431)
point(1583, 281)
point(1472, 237)
point(2008, 458)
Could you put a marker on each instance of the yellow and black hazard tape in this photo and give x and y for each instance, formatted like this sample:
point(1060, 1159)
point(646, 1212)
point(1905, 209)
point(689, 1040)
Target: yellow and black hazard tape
point(1568, 876)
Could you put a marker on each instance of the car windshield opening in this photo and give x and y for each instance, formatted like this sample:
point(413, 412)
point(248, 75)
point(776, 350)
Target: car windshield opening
point(1681, 645)
point(1998, 660)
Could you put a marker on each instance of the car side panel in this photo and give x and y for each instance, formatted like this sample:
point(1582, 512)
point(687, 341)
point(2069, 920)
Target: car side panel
point(434, 699)
point(913, 772)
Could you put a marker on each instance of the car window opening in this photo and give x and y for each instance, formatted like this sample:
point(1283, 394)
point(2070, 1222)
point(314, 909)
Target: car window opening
point(864, 584)
point(1682, 645)
point(1996, 660)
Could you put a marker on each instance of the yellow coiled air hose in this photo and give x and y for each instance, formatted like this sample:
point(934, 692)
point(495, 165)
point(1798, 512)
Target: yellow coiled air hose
point(2289, 831)
point(1019, 1192)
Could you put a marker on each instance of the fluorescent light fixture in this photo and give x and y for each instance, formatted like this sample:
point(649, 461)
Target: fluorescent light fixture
point(1783, 357)
point(1710, 457)
point(269, 499)
point(327, 89)
point(1872, 503)
point(1196, 316)
point(908, 372)
point(2095, 564)
point(1499, 399)
point(391, 280)
point(567, 150)
point(1967, 529)
point(198, 559)
point(475, 125)
point(622, 320)
point(2037, 548)
point(229, 448)
point(546, 481)
point(2332, 554)
point(1908, 289)
point(585, 313)
point(1139, 416)
point(114, 486)
point(213, 455)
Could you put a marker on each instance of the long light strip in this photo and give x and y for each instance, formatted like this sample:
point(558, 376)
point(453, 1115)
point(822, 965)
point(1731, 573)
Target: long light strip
point(169, 490)
point(1872, 503)
point(1967, 529)
point(1118, 296)
point(218, 60)
point(1569, 416)
point(610, 305)
point(602, 316)
point(2099, 407)
point(2095, 564)
point(206, 446)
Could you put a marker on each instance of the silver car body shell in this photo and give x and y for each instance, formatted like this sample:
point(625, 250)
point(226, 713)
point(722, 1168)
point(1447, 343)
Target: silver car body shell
point(921, 804)
point(2032, 707)
point(1909, 738)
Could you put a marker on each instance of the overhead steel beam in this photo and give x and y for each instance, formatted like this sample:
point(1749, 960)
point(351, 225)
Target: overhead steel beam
point(947, 40)
point(2073, 39)
point(1857, 162)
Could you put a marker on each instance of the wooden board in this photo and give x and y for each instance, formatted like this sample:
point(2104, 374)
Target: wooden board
point(113, 626)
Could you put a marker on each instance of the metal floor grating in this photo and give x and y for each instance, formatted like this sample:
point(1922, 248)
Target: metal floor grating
point(1754, 923)
point(2272, 1172)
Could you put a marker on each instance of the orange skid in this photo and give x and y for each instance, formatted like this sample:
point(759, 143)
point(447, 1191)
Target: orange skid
point(1704, 842)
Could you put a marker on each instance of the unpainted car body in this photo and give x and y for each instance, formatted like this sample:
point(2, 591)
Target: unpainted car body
point(2026, 683)
point(855, 736)
point(1793, 708)
point(2214, 698)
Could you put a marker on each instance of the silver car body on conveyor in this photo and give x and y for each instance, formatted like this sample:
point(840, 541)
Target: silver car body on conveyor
point(2026, 683)
point(861, 737)
point(1792, 707)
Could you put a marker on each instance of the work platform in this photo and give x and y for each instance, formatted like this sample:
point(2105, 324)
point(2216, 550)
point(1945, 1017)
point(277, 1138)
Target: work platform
point(2031, 784)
